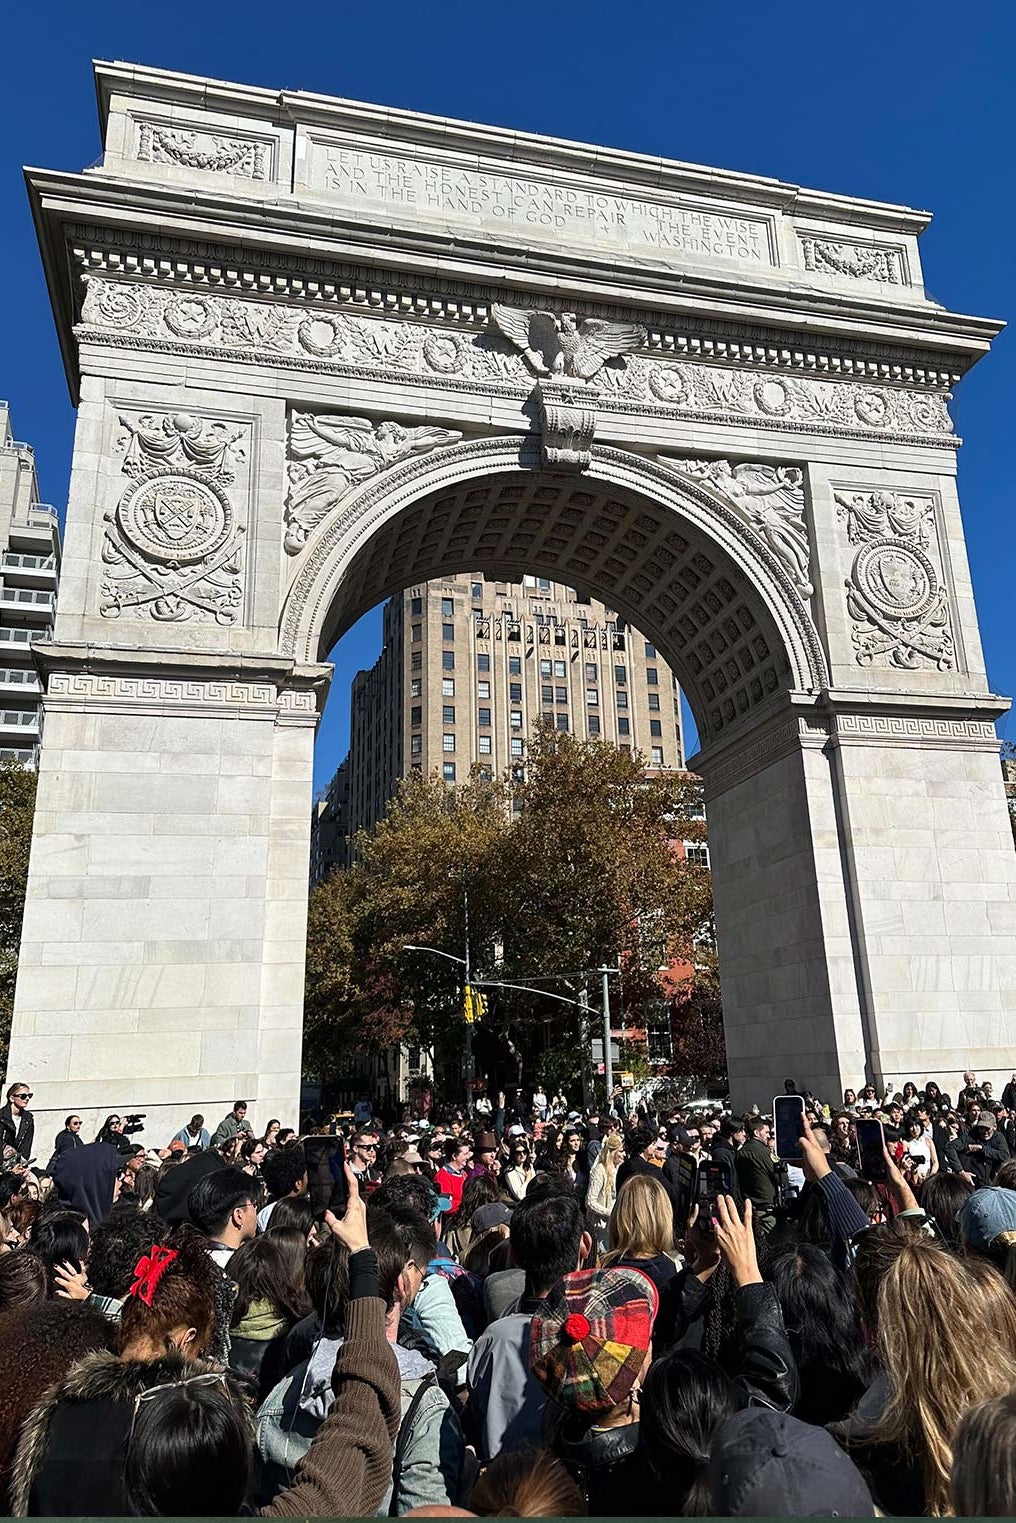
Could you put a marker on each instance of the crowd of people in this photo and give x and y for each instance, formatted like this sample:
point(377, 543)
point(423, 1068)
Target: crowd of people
point(520, 1308)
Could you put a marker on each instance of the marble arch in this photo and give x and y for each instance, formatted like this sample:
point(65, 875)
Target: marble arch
point(323, 349)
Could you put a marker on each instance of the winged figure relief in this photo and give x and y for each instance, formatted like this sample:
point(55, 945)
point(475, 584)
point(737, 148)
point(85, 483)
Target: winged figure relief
point(330, 454)
point(559, 343)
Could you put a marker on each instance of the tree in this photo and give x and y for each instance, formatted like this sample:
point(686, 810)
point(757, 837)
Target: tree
point(583, 873)
point(17, 809)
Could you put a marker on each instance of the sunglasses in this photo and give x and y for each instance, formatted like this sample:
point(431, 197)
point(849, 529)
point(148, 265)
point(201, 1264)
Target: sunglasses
point(26, 1096)
point(209, 1378)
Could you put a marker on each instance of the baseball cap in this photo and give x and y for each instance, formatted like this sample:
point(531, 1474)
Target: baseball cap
point(494, 1214)
point(177, 1147)
point(589, 1339)
point(411, 1155)
point(768, 1464)
point(986, 1214)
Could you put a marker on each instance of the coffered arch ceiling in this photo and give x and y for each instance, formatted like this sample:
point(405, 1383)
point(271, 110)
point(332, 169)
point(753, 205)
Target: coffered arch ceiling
point(719, 610)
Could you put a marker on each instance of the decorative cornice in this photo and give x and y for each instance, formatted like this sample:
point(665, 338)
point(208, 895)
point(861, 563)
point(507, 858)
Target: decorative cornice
point(913, 730)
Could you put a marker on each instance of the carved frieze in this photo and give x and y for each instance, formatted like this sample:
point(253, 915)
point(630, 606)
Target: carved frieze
point(333, 340)
point(770, 500)
point(211, 151)
point(858, 261)
point(330, 454)
point(898, 604)
point(173, 546)
point(559, 343)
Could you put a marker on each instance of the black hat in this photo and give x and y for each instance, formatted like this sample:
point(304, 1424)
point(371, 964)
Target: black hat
point(767, 1464)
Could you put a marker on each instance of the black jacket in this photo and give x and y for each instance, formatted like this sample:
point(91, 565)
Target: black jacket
point(604, 1462)
point(757, 1175)
point(639, 1165)
point(895, 1476)
point(981, 1159)
point(19, 1133)
point(766, 1374)
point(65, 1142)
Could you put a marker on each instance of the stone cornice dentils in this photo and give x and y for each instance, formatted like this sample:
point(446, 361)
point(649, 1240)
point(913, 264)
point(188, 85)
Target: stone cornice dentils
point(306, 108)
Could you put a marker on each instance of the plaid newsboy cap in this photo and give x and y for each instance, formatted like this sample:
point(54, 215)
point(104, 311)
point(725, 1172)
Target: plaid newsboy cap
point(590, 1337)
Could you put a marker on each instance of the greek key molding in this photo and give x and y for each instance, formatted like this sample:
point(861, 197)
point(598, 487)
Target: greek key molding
point(259, 331)
point(208, 268)
point(908, 729)
point(188, 696)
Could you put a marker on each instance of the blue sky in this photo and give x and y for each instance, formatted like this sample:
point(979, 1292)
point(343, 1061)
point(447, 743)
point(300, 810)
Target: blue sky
point(893, 101)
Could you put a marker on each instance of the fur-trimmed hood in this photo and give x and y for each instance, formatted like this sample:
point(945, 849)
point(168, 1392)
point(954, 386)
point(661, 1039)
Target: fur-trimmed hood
point(99, 1378)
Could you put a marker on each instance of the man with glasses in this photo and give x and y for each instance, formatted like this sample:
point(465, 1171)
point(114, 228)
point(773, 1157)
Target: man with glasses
point(221, 1206)
point(17, 1124)
point(363, 1158)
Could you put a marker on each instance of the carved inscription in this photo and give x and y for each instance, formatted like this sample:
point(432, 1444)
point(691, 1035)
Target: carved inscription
point(531, 205)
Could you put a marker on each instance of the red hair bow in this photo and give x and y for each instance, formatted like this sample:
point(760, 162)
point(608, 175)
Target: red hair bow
point(149, 1270)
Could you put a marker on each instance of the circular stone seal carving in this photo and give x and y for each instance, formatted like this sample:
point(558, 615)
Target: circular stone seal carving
point(896, 579)
point(119, 306)
point(669, 383)
point(190, 317)
point(321, 336)
point(872, 407)
point(445, 352)
point(175, 517)
point(772, 397)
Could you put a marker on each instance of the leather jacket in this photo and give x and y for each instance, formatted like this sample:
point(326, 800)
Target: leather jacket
point(766, 1374)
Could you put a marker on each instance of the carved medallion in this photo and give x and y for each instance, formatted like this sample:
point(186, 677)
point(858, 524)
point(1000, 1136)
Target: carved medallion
point(872, 408)
point(118, 306)
point(322, 335)
point(668, 383)
point(895, 578)
point(772, 397)
point(175, 516)
point(189, 317)
point(445, 353)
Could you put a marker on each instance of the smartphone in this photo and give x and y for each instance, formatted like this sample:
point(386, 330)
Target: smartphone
point(326, 1179)
point(713, 1179)
point(788, 1123)
point(871, 1150)
point(687, 1188)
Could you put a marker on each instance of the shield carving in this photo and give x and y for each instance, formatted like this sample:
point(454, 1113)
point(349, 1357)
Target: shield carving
point(901, 576)
point(177, 513)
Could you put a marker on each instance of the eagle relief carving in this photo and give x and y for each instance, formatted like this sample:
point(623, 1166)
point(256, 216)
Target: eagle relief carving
point(562, 344)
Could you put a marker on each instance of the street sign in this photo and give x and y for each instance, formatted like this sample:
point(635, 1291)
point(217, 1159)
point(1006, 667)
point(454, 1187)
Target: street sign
point(627, 1080)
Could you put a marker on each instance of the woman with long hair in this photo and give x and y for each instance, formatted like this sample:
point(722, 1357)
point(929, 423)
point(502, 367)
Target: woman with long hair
point(481, 1190)
point(640, 1233)
point(685, 1398)
point(821, 1318)
point(942, 1197)
point(945, 1332)
point(602, 1192)
point(519, 1171)
point(271, 1137)
point(269, 1304)
point(58, 1238)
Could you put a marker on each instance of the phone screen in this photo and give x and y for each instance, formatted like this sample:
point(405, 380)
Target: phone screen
point(713, 1179)
point(871, 1150)
point(687, 1186)
point(788, 1123)
point(326, 1179)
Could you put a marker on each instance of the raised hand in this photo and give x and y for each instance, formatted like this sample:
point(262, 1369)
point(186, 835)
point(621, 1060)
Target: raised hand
point(736, 1240)
point(352, 1229)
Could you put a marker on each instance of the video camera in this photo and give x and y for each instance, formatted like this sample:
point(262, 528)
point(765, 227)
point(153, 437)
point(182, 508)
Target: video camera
point(134, 1123)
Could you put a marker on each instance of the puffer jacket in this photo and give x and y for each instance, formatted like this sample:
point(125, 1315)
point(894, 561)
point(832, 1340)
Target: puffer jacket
point(431, 1453)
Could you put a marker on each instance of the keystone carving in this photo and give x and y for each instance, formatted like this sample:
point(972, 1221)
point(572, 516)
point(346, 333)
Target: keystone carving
point(330, 454)
point(173, 547)
point(567, 424)
point(895, 596)
point(558, 343)
point(770, 500)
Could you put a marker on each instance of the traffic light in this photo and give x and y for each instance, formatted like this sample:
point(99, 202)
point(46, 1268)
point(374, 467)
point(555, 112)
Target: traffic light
point(474, 1005)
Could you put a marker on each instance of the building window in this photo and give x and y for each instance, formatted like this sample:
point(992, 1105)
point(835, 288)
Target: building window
point(448, 713)
point(447, 608)
point(654, 702)
point(416, 714)
point(619, 676)
point(546, 693)
point(593, 723)
point(483, 690)
point(515, 719)
point(560, 695)
point(592, 696)
point(659, 1042)
point(516, 746)
point(652, 676)
point(657, 752)
point(416, 607)
point(484, 747)
point(623, 727)
point(650, 652)
point(416, 661)
point(515, 666)
point(447, 633)
point(696, 853)
point(515, 692)
point(448, 660)
point(655, 727)
point(415, 745)
point(546, 668)
point(483, 661)
point(562, 721)
point(447, 687)
point(416, 632)
point(415, 688)
point(543, 584)
point(448, 742)
point(483, 716)
point(621, 699)
point(448, 772)
point(477, 589)
point(560, 669)
point(590, 671)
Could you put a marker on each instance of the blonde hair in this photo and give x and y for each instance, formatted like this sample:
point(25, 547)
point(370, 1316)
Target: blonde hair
point(526, 1483)
point(610, 1152)
point(934, 1310)
point(642, 1222)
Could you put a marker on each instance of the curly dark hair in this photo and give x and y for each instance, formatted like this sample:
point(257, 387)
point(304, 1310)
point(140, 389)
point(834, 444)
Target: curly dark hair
point(409, 1190)
point(59, 1237)
point(183, 1297)
point(41, 1342)
point(118, 1243)
point(23, 1280)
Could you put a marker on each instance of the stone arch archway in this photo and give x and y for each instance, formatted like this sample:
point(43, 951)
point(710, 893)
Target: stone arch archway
point(720, 402)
